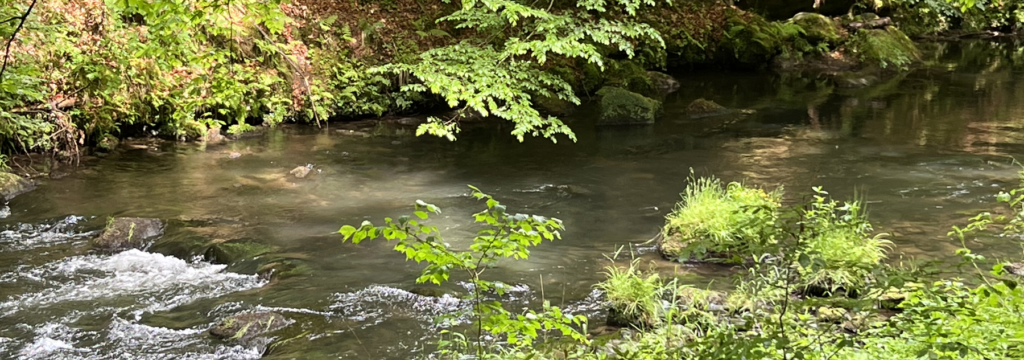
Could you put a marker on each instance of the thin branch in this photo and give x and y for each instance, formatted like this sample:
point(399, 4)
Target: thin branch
point(7, 52)
point(299, 71)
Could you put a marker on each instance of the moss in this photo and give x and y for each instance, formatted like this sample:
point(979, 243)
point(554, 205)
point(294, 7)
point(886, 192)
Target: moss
point(831, 314)
point(817, 28)
point(12, 185)
point(628, 75)
point(662, 82)
point(703, 107)
point(623, 107)
point(554, 106)
point(887, 49)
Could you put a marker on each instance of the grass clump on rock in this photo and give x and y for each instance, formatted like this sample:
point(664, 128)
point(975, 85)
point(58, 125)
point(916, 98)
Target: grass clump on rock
point(634, 298)
point(716, 219)
point(839, 243)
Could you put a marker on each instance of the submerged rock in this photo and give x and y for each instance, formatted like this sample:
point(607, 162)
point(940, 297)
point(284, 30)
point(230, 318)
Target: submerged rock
point(663, 82)
point(244, 327)
point(128, 233)
point(623, 107)
point(12, 185)
point(232, 252)
point(702, 107)
point(300, 171)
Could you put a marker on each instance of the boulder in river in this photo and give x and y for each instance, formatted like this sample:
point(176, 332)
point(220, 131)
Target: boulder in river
point(247, 326)
point(623, 107)
point(12, 185)
point(663, 82)
point(128, 233)
point(703, 107)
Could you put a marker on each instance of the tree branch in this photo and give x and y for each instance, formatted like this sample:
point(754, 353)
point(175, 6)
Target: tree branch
point(7, 52)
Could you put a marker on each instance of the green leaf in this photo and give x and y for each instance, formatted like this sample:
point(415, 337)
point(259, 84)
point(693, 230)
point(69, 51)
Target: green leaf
point(347, 231)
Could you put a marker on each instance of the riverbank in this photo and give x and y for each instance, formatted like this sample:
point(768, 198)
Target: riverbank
point(234, 69)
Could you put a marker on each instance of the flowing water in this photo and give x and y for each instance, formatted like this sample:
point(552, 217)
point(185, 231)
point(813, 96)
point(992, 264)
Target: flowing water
point(924, 148)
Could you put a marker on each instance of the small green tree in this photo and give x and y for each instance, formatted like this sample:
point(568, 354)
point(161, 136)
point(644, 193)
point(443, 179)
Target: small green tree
point(503, 236)
point(498, 71)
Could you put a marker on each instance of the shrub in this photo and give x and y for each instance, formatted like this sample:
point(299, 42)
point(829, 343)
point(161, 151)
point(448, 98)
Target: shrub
point(839, 245)
point(635, 299)
point(715, 220)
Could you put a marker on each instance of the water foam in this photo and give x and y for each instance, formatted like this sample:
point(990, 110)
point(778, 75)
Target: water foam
point(27, 236)
point(377, 303)
point(153, 282)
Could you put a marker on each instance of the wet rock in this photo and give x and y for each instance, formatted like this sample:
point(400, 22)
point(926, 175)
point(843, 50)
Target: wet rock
point(247, 326)
point(555, 106)
point(404, 121)
point(300, 171)
point(12, 185)
point(128, 233)
point(352, 133)
point(284, 268)
point(817, 28)
point(624, 107)
point(663, 82)
point(1014, 269)
point(703, 107)
point(232, 252)
point(108, 143)
point(891, 299)
point(856, 80)
point(213, 136)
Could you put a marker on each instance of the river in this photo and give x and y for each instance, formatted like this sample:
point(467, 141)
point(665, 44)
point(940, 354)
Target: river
point(924, 149)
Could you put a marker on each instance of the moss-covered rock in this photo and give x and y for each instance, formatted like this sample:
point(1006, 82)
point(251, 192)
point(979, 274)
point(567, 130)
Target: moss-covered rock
point(232, 252)
point(704, 108)
point(831, 314)
point(247, 326)
point(662, 82)
point(887, 49)
point(12, 185)
point(623, 107)
point(817, 28)
point(554, 106)
point(128, 233)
